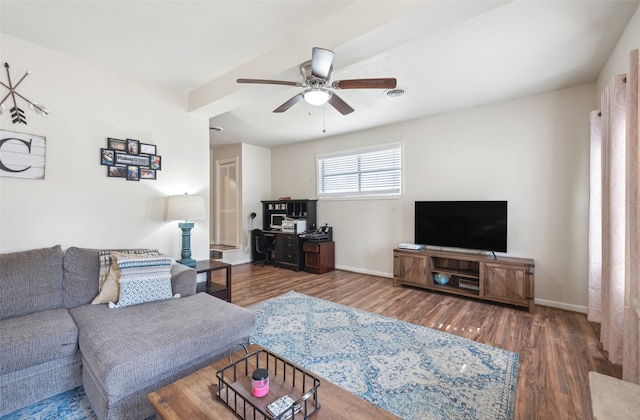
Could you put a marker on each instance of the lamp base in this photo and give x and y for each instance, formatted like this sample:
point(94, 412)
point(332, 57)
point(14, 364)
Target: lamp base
point(189, 262)
point(186, 244)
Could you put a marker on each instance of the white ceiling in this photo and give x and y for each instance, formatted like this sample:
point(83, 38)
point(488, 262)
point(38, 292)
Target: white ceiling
point(448, 55)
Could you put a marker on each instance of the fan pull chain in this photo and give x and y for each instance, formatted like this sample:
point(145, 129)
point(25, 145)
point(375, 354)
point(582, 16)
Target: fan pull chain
point(324, 119)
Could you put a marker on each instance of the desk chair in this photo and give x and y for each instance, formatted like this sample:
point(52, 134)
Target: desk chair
point(263, 245)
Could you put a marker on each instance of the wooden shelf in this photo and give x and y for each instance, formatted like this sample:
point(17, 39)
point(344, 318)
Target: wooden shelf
point(293, 209)
point(468, 274)
point(454, 290)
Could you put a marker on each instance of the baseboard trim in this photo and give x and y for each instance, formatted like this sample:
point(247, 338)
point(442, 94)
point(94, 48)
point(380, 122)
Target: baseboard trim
point(542, 302)
point(363, 271)
point(561, 305)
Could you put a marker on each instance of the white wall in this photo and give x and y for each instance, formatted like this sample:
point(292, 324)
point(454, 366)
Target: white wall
point(531, 151)
point(618, 62)
point(256, 186)
point(76, 204)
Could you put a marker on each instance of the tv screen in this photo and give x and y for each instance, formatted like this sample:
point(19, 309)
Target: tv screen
point(478, 225)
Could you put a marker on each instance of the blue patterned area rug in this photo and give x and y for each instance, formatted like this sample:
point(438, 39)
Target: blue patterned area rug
point(70, 405)
point(411, 371)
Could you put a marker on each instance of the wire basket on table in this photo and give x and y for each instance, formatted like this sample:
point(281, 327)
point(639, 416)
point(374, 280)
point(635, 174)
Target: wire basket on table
point(285, 378)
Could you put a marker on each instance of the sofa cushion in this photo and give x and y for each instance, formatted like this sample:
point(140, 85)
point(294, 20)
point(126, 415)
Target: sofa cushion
point(37, 338)
point(136, 346)
point(27, 386)
point(30, 281)
point(81, 267)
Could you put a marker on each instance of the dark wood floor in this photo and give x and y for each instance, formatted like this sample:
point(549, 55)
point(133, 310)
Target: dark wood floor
point(557, 348)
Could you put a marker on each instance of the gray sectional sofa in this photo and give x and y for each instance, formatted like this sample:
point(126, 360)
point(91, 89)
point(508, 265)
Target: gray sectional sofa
point(52, 339)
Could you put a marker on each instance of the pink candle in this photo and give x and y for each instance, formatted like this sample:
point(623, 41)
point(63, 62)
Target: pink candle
point(260, 382)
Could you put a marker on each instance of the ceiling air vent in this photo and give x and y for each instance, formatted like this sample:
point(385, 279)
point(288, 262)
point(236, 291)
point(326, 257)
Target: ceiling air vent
point(394, 93)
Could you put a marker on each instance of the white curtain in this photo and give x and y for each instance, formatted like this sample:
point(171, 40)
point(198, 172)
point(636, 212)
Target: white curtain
point(614, 239)
point(631, 350)
point(595, 219)
point(613, 216)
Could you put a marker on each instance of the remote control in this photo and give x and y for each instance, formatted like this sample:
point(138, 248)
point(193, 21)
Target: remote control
point(281, 405)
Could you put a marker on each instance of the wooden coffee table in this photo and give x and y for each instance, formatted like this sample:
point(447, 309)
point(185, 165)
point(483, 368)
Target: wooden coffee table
point(193, 397)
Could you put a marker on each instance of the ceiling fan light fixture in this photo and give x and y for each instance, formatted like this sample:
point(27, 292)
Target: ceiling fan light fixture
point(316, 75)
point(316, 97)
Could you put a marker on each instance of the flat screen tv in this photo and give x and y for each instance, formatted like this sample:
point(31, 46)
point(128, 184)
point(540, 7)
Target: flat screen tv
point(478, 225)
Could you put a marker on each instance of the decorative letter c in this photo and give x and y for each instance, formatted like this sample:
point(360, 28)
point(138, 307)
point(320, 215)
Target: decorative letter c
point(26, 143)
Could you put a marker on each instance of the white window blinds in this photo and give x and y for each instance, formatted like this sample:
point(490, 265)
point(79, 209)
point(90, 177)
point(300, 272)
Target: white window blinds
point(364, 172)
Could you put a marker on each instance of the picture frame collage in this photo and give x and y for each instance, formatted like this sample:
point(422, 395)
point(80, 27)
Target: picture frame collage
point(130, 159)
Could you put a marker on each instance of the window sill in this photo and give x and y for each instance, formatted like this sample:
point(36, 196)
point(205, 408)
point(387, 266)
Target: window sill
point(362, 197)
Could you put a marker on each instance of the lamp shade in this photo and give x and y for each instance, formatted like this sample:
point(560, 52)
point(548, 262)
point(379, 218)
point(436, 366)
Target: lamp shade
point(185, 207)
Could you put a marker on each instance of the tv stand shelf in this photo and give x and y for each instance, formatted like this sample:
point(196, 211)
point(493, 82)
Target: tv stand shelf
point(469, 274)
point(505, 279)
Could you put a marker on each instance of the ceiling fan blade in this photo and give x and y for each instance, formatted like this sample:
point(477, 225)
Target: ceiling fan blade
point(340, 105)
point(321, 61)
point(291, 102)
point(385, 83)
point(270, 82)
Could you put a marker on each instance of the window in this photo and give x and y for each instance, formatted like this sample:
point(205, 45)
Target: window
point(363, 172)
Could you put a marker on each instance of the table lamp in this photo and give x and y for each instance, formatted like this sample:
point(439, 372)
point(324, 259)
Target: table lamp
point(188, 208)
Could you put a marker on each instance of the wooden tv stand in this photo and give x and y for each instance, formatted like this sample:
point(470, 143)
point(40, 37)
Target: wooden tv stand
point(505, 279)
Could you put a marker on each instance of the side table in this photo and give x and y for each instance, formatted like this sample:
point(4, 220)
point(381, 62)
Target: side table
point(214, 289)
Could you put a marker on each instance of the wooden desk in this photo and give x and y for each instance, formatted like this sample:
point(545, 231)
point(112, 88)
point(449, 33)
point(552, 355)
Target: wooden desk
point(214, 289)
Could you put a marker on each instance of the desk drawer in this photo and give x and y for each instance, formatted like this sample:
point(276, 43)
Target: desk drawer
point(288, 251)
point(310, 247)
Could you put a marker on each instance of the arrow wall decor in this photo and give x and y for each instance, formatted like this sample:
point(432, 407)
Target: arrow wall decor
point(17, 114)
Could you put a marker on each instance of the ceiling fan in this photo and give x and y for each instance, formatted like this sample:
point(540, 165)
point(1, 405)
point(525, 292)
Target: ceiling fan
point(315, 75)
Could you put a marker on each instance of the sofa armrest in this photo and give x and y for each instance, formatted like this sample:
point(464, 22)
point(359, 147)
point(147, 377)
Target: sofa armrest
point(183, 280)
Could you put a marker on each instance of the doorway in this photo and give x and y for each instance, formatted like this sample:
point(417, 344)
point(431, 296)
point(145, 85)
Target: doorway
point(227, 203)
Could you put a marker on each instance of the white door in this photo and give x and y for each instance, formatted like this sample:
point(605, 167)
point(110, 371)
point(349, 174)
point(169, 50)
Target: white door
point(227, 229)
